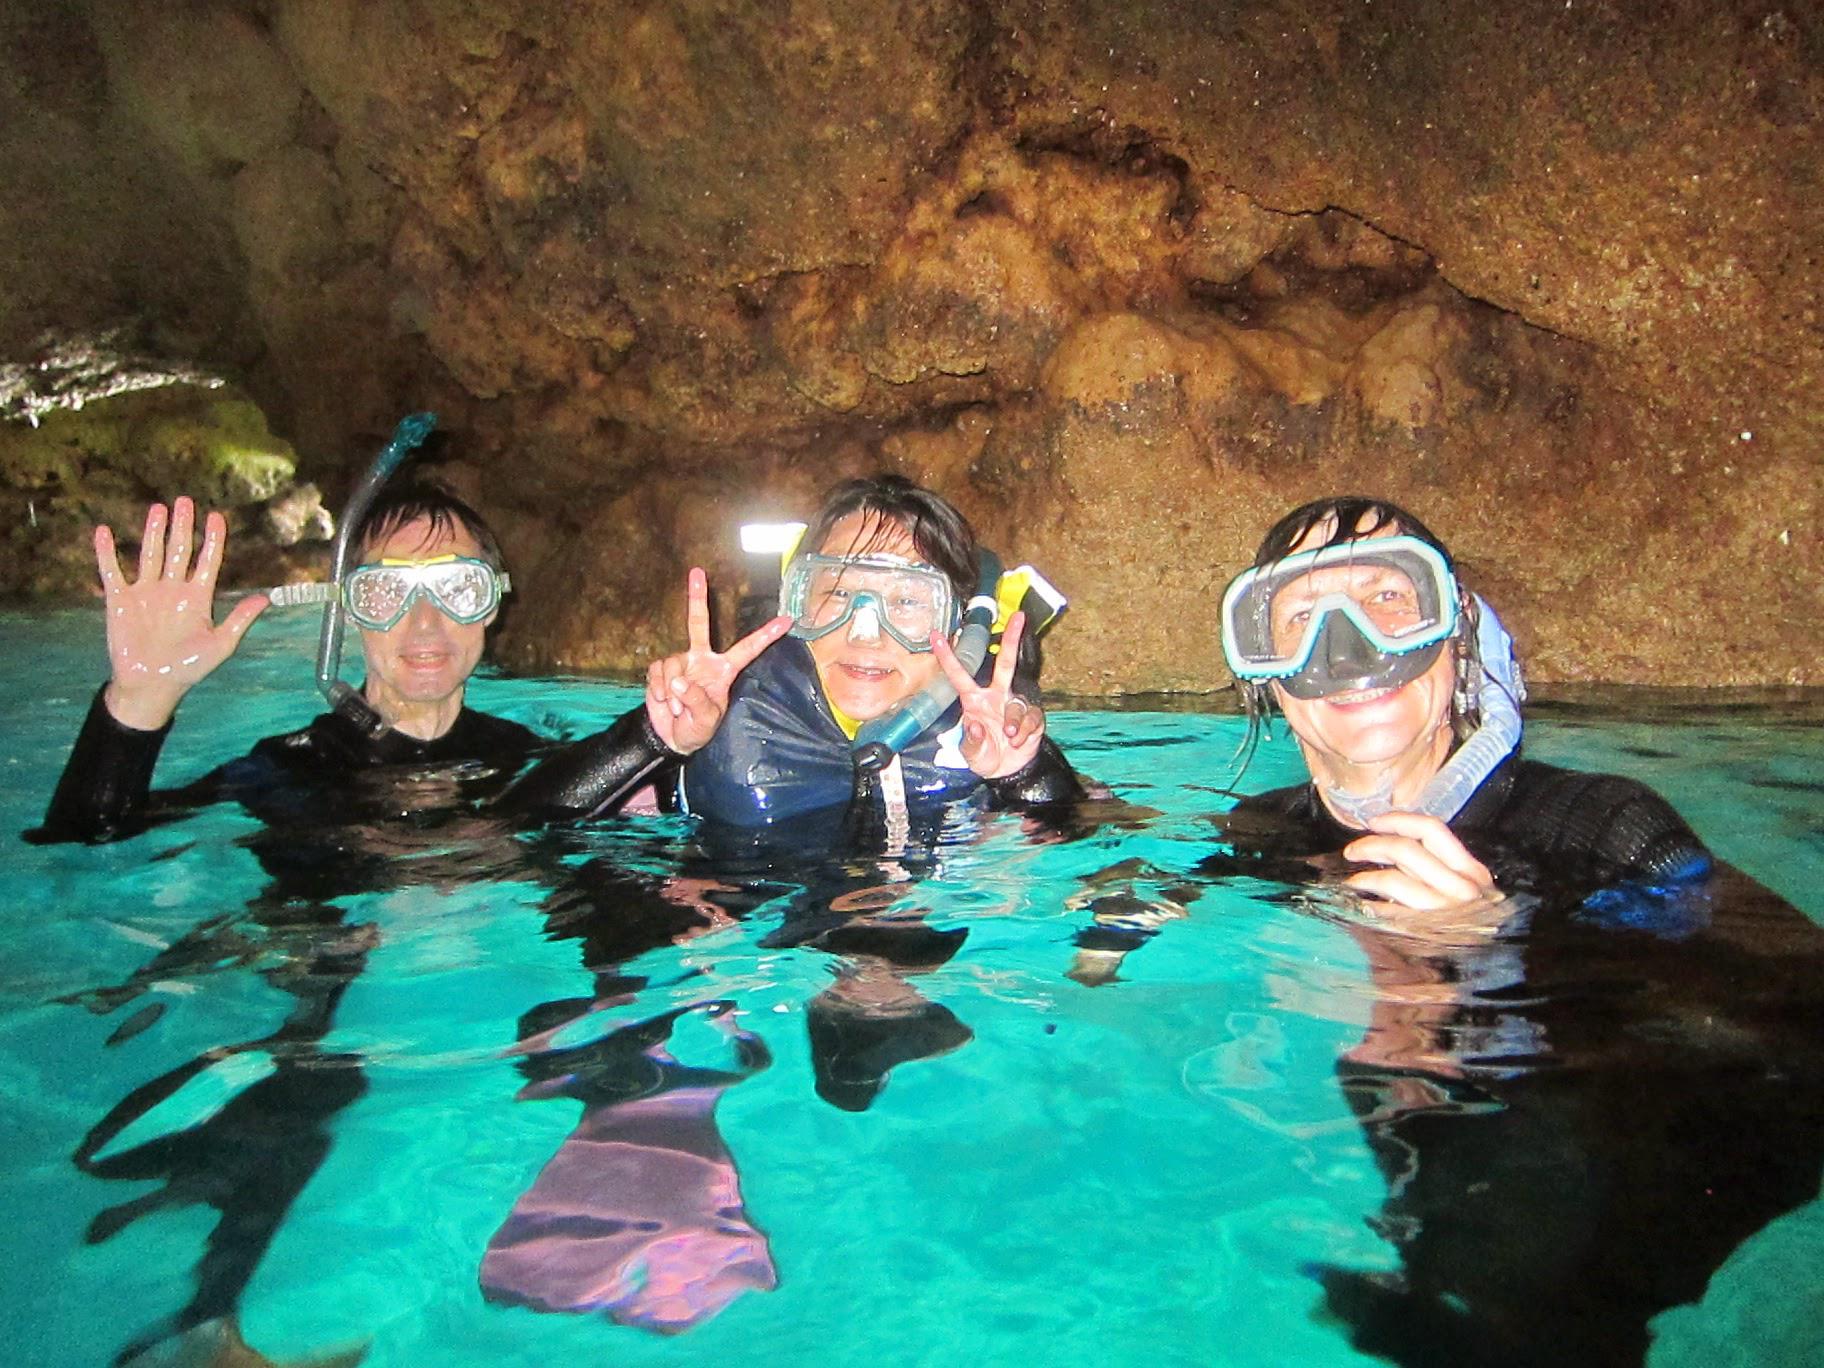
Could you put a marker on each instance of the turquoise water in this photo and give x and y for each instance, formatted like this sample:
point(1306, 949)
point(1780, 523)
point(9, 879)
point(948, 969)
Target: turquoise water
point(1136, 1172)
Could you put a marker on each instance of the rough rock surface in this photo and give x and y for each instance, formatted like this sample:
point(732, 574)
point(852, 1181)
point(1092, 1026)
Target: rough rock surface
point(1126, 281)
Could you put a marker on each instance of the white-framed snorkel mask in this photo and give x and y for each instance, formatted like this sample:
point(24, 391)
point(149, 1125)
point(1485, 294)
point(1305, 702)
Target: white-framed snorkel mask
point(869, 595)
point(464, 589)
point(1373, 613)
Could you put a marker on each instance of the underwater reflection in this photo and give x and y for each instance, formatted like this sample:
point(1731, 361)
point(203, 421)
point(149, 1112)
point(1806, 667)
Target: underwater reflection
point(1579, 1115)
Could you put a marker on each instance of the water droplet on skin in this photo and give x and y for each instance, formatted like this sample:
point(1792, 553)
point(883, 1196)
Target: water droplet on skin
point(164, 669)
point(191, 660)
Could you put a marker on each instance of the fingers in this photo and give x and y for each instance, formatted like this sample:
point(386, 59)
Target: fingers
point(177, 542)
point(1437, 838)
point(1396, 886)
point(660, 676)
point(744, 652)
point(1023, 722)
point(698, 714)
point(152, 542)
point(242, 616)
point(975, 737)
point(1009, 658)
point(696, 609)
point(1411, 857)
point(107, 559)
point(215, 541)
point(959, 678)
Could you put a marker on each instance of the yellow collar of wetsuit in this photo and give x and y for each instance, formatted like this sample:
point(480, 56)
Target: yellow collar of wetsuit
point(849, 725)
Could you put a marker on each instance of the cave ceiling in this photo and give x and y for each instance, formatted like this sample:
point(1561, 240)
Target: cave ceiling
point(1125, 281)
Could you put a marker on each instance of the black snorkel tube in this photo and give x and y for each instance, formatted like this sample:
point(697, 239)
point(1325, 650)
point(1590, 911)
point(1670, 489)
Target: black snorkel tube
point(879, 741)
point(407, 438)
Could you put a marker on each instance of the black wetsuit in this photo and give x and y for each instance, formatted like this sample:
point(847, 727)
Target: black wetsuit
point(343, 813)
point(1529, 820)
point(106, 789)
point(1581, 1118)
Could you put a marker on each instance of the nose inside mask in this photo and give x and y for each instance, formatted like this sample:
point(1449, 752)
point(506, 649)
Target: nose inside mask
point(1343, 661)
point(864, 624)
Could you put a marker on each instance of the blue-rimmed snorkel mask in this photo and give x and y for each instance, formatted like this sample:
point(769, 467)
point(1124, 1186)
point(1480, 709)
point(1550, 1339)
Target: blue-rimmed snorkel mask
point(1373, 613)
point(867, 595)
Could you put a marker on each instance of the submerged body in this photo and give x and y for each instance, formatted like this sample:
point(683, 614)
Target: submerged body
point(1595, 1057)
point(1581, 1115)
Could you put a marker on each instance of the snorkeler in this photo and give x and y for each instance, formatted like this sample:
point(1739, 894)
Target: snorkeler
point(426, 588)
point(852, 702)
point(375, 795)
point(866, 718)
point(1593, 1062)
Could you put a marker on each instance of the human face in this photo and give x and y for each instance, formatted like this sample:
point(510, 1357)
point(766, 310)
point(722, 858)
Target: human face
point(418, 667)
point(1357, 739)
point(865, 673)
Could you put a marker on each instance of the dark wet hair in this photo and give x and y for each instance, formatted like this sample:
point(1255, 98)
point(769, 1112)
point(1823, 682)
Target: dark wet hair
point(1350, 517)
point(939, 531)
point(404, 502)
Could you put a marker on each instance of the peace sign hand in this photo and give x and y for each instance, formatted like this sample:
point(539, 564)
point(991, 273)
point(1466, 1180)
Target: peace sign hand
point(687, 693)
point(162, 634)
point(1001, 731)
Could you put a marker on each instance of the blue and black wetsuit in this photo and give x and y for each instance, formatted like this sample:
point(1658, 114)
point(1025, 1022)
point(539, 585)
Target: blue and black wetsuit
point(778, 758)
point(1580, 1117)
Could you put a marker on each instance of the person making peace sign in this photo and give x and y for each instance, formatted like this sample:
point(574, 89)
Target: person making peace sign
point(762, 733)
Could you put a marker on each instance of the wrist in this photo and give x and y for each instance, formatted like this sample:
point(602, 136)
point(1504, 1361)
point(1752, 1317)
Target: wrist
point(1012, 763)
point(144, 707)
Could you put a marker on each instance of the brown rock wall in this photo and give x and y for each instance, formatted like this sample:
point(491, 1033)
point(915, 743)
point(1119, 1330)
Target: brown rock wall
point(1126, 281)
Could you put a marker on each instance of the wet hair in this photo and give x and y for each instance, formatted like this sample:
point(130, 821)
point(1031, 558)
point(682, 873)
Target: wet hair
point(404, 502)
point(940, 534)
point(1347, 518)
point(939, 531)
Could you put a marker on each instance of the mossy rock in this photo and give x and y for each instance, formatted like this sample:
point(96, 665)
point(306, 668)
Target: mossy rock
point(182, 439)
point(224, 455)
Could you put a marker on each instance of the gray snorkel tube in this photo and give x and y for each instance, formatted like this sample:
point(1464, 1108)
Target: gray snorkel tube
point(344, 699)
point(1499, 693)
point(879, 741)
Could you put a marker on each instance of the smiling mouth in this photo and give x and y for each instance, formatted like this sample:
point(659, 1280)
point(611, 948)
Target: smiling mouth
point(869, 674)
point(1356, 697)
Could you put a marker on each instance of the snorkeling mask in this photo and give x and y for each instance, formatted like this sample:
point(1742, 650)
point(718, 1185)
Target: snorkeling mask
point(1367, 614)
point(882, 586)
point(463, 589)
point(869, 595)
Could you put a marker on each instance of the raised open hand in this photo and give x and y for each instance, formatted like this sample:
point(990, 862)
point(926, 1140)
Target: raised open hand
point(687, 693)
point(162, 634)
point(1001, 731)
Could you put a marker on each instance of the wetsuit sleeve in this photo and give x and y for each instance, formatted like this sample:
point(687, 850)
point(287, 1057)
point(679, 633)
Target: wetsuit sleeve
point(106, 781)
point(1046, 778)
point(1622, 827)
point(594, 776)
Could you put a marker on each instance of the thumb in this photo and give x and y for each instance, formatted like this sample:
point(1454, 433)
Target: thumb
point(242, 616)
